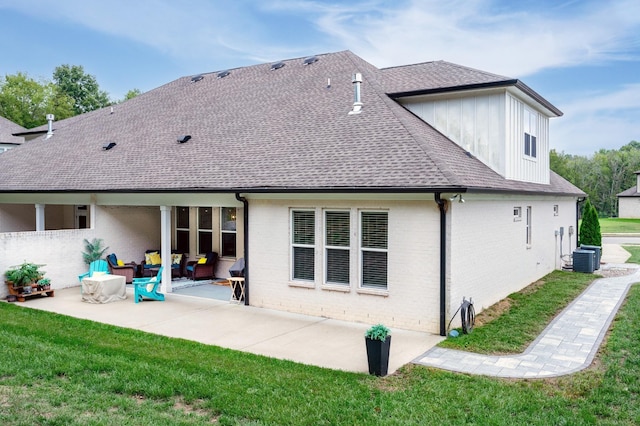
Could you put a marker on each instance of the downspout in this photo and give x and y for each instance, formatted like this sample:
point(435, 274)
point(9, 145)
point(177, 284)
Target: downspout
point(578, 202)
point(442, 205)
point(246, 246)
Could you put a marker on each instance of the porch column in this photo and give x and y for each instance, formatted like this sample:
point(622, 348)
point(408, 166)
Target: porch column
point(40, 217)
point(165, 247)
point(92, 212)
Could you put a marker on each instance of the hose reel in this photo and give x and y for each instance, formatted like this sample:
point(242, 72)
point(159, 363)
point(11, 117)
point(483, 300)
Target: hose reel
point(467, 316)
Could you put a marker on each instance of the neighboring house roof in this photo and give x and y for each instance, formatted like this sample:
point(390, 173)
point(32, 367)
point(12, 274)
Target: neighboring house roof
point(7, 129)
point(631, 192)
point(259, 129)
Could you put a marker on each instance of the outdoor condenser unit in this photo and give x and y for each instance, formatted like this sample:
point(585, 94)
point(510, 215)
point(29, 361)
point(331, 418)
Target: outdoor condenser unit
point(584, 260)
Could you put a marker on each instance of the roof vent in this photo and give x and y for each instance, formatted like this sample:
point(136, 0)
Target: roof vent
point(50, 118)
point(197, 78)
point(223, 74)
point(183, 138)
point(277, 65)
point(310, 60)
point(107, 146)
point(357, 101)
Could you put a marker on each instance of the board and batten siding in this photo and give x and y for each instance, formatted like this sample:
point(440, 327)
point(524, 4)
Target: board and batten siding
point(490, 126)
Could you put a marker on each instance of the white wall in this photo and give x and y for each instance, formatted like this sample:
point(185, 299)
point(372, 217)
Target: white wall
point(629, 207)
point(413, 266)
point(489, 255)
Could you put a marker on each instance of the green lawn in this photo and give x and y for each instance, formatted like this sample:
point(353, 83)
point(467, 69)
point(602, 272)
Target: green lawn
point(617, 225)
point(57, 370)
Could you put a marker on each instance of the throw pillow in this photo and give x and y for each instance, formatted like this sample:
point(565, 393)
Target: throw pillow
point(152, 282)
point(147, 258)
point(120, 262)
point(176, 259)
point(155, 259)
point(202, 260)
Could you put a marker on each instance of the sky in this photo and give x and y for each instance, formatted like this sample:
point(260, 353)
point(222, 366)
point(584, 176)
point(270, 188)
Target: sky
point(581, 55)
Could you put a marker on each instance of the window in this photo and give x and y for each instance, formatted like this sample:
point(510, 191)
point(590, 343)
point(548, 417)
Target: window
point(303, 238)
point(517, 214)
point(374, 249)
point(337, 246)
point(228, 231)
point(182, 229)
point(556, 210)
point(205, 229)
point(528, 225)
point(530, 126)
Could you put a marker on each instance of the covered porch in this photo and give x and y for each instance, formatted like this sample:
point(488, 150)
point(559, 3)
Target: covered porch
point(129, 225)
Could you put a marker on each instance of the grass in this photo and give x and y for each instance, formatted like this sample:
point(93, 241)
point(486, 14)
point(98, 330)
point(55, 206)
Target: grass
point(635, 253)
point(619, 226)
point(57, 370)
point(521, 317)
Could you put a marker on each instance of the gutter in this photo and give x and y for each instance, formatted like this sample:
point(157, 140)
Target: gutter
point(578, 202)
point(442, 205)
point(246, 246)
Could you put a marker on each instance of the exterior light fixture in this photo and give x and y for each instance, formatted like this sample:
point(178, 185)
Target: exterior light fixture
point(457, 197)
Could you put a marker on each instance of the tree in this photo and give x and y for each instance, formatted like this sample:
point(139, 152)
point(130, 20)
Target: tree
point(590, 227)
point(131, 94)
point(26, 101)
point(81, 87)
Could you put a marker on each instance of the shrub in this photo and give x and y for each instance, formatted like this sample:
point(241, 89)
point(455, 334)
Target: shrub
point(590, 227)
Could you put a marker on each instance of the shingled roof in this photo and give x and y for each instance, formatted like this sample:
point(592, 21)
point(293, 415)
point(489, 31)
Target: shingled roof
point(258, 129)
point(7, 129)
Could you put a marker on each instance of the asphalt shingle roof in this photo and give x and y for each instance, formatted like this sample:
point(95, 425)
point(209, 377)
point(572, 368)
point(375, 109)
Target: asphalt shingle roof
point(7, 128)
point(258, 129)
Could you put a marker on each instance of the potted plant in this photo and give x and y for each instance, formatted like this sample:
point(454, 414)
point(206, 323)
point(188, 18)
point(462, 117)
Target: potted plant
point(24, 275)
point(378, 341)
point(44, 284)
point(93, 250)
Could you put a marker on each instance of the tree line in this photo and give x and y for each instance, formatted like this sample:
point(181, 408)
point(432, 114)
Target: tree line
point(71, 91)
point(602, 176)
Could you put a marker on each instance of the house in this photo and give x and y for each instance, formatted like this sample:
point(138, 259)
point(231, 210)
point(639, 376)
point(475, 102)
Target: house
point(353, 192)
point(7, 138)
point(629, 201)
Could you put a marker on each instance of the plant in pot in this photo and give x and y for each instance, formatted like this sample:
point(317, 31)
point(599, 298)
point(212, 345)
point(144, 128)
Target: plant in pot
point(378, 342)
point(44, 284)
point(93, 250)
point(23, 276)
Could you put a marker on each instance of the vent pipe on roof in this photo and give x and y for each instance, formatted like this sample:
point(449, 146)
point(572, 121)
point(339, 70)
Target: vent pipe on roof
point(50, 118)
point(357, 101)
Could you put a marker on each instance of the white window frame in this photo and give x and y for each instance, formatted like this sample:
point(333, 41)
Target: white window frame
point(363, 250)
point(530, 134)
point(294, 245)
point(199, 230)
point(528, 226)
point(556, 210)
point(517, 214)
point(177, 228)
point(225, 231)
point(328, 247)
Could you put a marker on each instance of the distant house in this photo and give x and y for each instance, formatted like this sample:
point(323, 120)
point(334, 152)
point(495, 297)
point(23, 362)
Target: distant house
point(7, 139)
point(629, 201)
point(353, 192)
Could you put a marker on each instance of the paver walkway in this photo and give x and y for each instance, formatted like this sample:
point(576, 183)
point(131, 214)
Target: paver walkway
point(567, 345)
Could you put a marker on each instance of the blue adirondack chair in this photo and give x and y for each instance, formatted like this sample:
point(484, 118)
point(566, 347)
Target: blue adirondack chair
point(99, 265)
point(148, 287)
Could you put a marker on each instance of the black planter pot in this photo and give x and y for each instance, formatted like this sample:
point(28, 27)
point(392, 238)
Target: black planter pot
point(378, 356)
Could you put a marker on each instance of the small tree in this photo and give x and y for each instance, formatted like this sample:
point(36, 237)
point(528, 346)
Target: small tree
point(93, 250)
point(590, 227)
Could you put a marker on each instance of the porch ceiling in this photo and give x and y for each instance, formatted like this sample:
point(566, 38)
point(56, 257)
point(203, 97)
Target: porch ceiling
point(120, 199)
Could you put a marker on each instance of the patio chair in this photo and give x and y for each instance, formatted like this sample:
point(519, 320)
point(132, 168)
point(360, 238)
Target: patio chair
point(198, 270)
point(128, 270)
point(178, 262)
point(148, 288)
point(99, 265)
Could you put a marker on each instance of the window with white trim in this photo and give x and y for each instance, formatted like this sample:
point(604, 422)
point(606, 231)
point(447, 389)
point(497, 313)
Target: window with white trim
point(517, 214)
point(228, 231)
point(530, 127)
point(303, 240)
point(205, 229)
point(528, 225)
point(337, 246)
point(182, 229)
point(556, 210)
point(374, 231)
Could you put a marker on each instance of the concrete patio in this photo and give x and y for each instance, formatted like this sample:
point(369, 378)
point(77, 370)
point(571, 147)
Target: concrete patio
point(301, 338)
